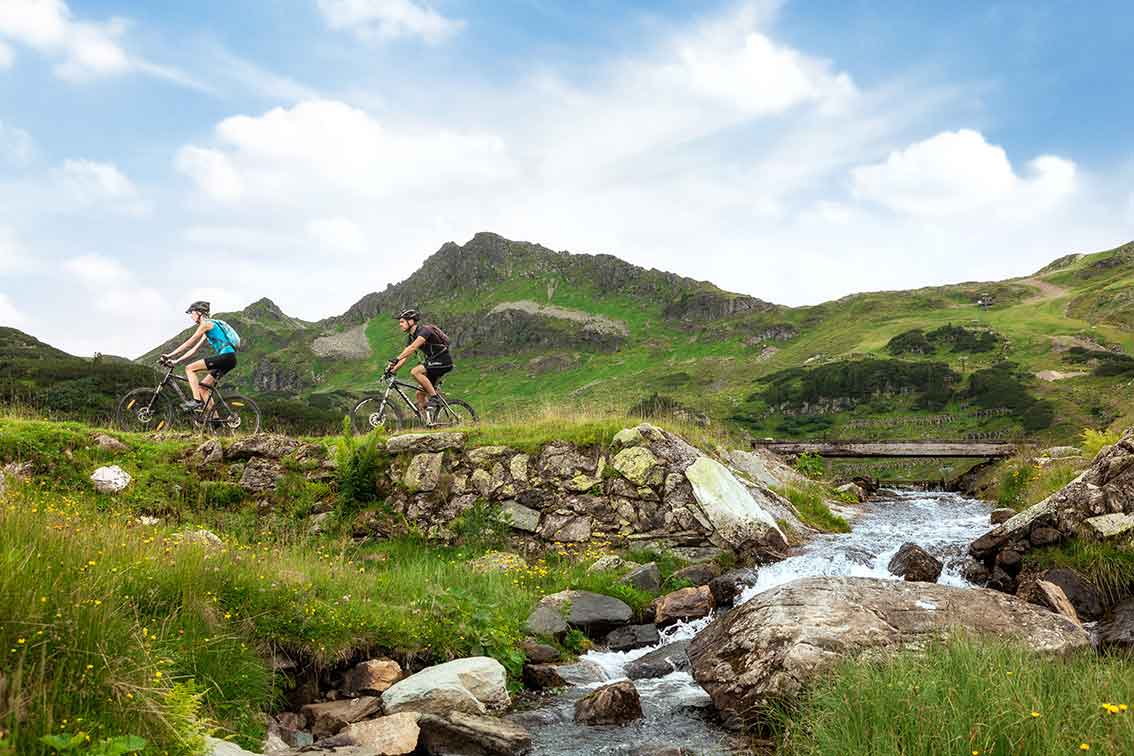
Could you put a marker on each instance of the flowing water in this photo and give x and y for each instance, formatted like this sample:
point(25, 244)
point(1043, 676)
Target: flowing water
point(676, 711)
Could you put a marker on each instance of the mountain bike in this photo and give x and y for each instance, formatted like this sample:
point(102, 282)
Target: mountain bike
point(385, 411)
point(146, 409)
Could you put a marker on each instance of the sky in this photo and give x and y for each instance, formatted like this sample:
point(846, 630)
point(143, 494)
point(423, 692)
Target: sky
point(312, 151)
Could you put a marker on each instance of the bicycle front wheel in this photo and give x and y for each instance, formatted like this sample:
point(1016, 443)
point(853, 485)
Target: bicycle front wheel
point(372, 413)
point(236, 415)
point(143, 410)
point(458, 412)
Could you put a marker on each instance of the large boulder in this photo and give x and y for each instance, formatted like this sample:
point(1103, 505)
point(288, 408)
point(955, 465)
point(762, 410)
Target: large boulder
point(418, 443)
point(590, 611)
point(392, 735)
point(260, 475)
point(915, 564)
point(1050, 595)
point(728, 586)
point(423, 472)
point(1117, 630)
point(372, 676)
point(697, 574)
point(546, 620)
point(729, 512)
point(631, 637)
point(332, 716)
point(672, 657)
point(109, 443)
point(614, 704)
point(774, 645)
point(468, 735)
point(639, 466)
point(110, 480)
point(1082, 594)
point(645, 578)
point(473, 685)
point(684, 604)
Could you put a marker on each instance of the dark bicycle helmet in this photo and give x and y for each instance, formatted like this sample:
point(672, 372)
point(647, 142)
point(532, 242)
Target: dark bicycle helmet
point(410, 314)
point(199, 306)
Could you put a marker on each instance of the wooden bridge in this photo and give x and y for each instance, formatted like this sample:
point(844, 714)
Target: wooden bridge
point(975, 449)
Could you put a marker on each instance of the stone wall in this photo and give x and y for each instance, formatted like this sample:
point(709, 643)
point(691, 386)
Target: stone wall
point(648, 486)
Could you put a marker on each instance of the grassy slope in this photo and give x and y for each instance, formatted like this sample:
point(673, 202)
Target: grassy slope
point(708, 366)
point(112, 627)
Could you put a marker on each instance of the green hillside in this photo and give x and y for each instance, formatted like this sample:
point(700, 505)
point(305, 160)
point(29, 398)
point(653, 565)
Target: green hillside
point(1041, 356)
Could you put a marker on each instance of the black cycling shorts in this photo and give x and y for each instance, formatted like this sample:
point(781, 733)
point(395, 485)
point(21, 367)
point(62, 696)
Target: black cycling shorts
point(220, 364)
point(435, 372)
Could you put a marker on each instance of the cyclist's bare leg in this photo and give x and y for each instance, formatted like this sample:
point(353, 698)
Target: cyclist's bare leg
point(191, 371)
point(208, 381)
point(426, 389)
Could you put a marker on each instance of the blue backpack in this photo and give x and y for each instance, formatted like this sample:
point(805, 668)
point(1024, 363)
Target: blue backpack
point(229, 332)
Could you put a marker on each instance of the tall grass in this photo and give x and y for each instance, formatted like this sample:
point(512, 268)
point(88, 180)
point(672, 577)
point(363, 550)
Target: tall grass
point(967, 697)
point(809, 500)
point(1110, 567)
point(112, 627)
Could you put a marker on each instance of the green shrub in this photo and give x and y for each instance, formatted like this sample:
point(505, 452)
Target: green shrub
point(810, 465)
point(1095, 440)
point(220, 495)
point(359, 466)
point(1013, 483)
point(483, 526)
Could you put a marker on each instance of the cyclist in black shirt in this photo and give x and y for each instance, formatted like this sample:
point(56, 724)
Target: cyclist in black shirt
point(434, 346)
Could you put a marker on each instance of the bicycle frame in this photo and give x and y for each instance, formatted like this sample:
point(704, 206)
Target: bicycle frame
point(169, 379)
point(393, 384)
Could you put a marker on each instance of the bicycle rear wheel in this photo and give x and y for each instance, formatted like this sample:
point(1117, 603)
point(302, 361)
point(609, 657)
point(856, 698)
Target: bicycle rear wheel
point(370, 414)
point(143, 410)
point(459, 412)
point(235, 415)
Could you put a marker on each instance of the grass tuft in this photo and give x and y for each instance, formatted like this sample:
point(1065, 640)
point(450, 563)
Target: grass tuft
point(966, 697)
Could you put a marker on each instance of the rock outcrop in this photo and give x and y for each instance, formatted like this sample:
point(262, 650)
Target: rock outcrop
point(1099, 504)
point(778, 642)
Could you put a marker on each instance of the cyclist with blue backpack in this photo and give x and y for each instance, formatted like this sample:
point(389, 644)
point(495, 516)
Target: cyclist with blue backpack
point(224, 341)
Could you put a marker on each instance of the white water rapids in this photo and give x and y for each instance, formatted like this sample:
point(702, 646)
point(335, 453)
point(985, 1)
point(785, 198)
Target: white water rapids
point(677, 712)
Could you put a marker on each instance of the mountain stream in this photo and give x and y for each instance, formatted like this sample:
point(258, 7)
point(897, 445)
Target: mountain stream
point(677, 712)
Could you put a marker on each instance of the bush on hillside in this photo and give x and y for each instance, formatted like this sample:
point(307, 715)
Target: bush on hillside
point(1094, 441)
point(956, 338)
point(858, 380)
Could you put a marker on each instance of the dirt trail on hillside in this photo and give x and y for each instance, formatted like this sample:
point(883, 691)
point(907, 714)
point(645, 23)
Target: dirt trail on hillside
point(1047, 290)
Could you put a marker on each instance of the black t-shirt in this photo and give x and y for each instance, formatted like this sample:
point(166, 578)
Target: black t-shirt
point(434, 348)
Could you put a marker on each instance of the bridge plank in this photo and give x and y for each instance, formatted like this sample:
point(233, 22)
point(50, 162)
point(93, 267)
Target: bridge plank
point(973, 449)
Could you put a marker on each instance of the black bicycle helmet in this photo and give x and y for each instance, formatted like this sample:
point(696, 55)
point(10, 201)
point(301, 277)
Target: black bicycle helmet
point(410, 314)
point(199, 306)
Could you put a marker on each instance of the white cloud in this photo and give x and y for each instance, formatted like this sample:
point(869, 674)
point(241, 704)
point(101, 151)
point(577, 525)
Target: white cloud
point(113, 289)
point(322, 152)
point(10, 315)
point(389, 19)
point(337, 236)
point(6, 56)
point(957, 172)
point(84, 49)
point(212, 171)
point(92, 183)
point(16, 145)
point(13, 256)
